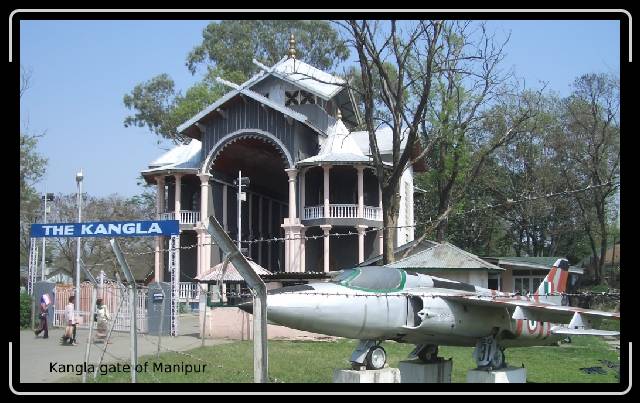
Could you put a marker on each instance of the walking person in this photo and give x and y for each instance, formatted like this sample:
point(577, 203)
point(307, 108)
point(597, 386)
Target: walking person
point(103, 318)
point(70, 318)
point(45, 301)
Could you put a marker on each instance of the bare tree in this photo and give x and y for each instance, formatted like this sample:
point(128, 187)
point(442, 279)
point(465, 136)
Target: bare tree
point(439, 69)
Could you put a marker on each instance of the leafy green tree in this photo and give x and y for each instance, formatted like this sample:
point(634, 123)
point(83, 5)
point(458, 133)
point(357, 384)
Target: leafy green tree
point(588, 153)
point(227, 51)
point(232, 45)
point(32, 167)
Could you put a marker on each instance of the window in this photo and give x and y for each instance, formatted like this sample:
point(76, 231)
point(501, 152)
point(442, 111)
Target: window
point(299, 98)
point(526, 284)
point(307, 98)
point(291, 98)
point(493, 282)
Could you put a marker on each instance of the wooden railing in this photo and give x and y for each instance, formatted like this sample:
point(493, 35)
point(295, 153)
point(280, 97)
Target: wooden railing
point(342, 211)
point(185, 216)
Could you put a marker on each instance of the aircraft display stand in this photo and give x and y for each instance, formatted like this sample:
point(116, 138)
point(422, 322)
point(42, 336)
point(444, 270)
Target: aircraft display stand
point(417, 371)
point(384, 375)
point(504, 375)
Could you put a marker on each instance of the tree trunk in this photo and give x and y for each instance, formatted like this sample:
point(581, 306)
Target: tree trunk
point(443, 205)
point(390, 206)
point(603, 248)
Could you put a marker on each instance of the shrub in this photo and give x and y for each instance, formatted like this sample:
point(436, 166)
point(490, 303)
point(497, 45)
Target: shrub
point(26, 302)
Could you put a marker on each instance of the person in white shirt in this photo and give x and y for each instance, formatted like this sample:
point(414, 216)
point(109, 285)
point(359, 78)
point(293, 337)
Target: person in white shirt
point(70, 318)
point(102, 317)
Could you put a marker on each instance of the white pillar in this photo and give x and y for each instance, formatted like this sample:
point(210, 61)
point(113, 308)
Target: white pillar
point(290, 228)
point(360, 170)
point(361, 229)
point(326, 229)
point(159, 256)
point(199, 243)
point(326, 169)
point(205, 250)
point(178, 196)
point(303, 264)
point(292, 173)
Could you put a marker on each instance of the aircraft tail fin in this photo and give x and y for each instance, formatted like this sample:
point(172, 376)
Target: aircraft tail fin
point(556, 280)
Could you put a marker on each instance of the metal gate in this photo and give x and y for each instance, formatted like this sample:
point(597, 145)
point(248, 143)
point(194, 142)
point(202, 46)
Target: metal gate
point(112, 296)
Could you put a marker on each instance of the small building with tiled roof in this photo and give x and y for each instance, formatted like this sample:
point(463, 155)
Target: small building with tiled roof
point(443, 260)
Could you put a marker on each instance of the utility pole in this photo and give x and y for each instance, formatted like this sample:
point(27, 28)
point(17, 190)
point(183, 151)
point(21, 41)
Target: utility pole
point(242, 196)
point(79, 178)
point(46, 197)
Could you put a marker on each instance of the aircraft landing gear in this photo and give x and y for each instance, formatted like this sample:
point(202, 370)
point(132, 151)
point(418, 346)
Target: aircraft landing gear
point(488, 354)
point(368, 354)
point(426, 353)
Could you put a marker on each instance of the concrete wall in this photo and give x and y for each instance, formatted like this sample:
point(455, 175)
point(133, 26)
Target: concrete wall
point(506, 280)
point(232, 323)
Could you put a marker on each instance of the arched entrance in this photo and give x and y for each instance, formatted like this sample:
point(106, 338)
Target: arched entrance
point(263, 161)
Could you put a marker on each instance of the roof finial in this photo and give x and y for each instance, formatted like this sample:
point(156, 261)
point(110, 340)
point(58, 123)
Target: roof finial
point(338, 114)
point(292, 47)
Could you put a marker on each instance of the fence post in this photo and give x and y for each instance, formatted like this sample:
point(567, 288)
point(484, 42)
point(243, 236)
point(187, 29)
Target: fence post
point(132, 302)
point(260, 356)
point(86, 353)
point(161, 320)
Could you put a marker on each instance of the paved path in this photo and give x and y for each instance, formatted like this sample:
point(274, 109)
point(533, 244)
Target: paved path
point(37, 354)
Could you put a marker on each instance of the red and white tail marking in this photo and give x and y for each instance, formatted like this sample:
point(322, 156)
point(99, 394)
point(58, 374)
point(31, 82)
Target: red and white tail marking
point(556, 280)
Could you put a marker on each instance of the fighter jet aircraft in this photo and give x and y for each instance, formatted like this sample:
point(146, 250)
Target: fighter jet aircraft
point(373, 304)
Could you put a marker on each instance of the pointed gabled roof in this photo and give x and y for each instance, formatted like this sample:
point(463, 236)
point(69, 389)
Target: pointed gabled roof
point(307, 77)
point(338, 148)
point(231, 274)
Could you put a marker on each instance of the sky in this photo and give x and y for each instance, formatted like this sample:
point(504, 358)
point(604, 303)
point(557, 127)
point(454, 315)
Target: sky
point(80, 71)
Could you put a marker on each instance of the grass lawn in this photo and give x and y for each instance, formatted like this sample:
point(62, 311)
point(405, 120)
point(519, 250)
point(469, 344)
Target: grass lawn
point(307, 361)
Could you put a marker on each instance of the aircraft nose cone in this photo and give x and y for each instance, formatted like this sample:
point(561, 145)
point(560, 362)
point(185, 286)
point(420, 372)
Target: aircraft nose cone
point(247, 307)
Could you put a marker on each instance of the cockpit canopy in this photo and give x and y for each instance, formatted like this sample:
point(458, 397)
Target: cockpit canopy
point(374, 279)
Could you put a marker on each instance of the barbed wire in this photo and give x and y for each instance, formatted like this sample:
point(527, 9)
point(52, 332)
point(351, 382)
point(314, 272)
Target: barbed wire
point(407, 292)
point(430, 221)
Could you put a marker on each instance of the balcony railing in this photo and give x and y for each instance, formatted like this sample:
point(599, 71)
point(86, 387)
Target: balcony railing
point(342, 211)
point(185, 216)
point(189, 292)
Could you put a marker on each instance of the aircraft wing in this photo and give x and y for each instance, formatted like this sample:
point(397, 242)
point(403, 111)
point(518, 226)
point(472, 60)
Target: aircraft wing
point(579, 320)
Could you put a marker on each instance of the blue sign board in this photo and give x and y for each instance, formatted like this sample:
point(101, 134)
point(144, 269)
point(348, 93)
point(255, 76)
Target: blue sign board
point(106, 229)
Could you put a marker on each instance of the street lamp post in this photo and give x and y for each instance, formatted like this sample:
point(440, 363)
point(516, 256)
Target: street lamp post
point(79, 178)
point(242, 181)
point(46, 197)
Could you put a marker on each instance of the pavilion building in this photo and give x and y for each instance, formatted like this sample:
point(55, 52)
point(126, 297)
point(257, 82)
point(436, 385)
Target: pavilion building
point(313, 203)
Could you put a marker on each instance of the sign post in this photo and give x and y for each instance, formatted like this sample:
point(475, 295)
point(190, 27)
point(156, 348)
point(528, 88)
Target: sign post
point(106, 229)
